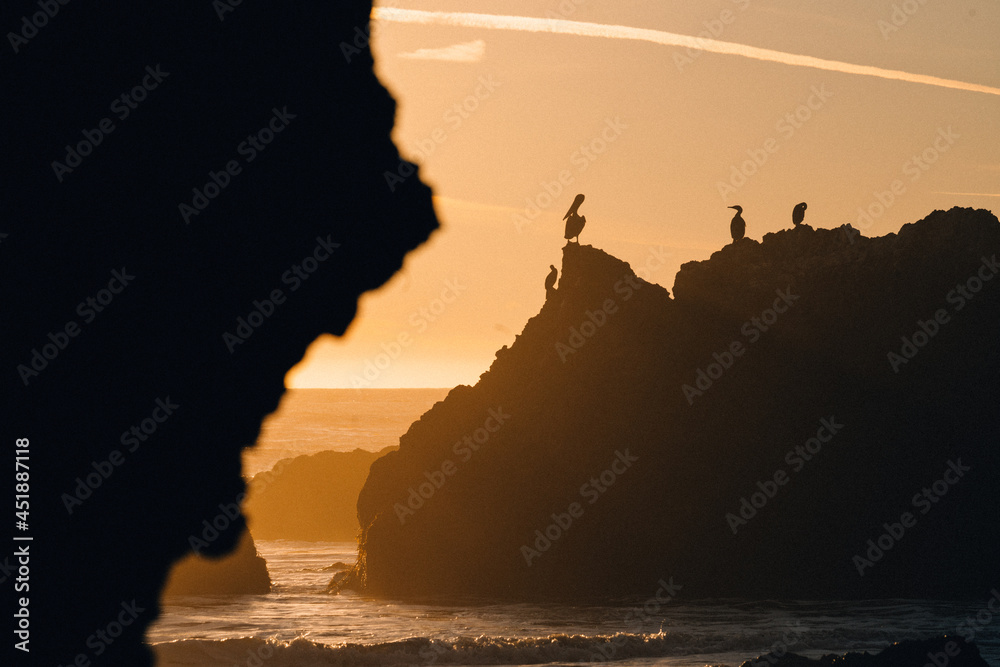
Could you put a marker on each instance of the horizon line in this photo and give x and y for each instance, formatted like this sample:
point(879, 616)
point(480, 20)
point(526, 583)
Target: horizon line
point(375, 388)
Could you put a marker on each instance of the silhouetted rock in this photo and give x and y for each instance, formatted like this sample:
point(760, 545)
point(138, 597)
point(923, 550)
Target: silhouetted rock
point(312, 497)
point(950, 651)
point(339, 566)
point(155, 296)
point(627, 437)
point(242, 572)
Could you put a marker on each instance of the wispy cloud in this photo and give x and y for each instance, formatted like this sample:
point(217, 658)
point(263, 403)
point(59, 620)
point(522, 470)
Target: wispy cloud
point(581, 29)
point(968, 194)
point(466, 52)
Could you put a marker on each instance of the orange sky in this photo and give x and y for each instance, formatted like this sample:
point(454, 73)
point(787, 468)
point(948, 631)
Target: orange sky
point(653, 135)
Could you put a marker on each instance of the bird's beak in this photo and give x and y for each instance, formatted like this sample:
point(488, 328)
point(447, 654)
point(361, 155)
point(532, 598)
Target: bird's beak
point(733, 207)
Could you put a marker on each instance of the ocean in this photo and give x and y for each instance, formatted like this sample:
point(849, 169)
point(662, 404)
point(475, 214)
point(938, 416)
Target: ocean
point(342, 420)
point(298, 624)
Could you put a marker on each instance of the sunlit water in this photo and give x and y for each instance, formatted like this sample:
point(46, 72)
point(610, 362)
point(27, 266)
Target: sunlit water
point(341, 420)
point(299, 624)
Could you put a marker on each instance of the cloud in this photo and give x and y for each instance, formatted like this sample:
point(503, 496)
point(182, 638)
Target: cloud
point(466, 52)
point(968, 194)
point(581, 29)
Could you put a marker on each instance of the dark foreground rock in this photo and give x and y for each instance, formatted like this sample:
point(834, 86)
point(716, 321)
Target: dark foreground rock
point(161, 279)
point(311, 498)
point(938, 652)
point(242, 572)
point(810, 417)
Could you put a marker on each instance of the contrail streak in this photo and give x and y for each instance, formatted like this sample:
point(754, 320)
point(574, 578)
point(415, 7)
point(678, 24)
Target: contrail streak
point(581, 29)
point(968, 194)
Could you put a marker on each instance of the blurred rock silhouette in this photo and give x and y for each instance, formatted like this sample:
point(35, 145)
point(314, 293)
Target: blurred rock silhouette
point(239, 211)
point(243, 572)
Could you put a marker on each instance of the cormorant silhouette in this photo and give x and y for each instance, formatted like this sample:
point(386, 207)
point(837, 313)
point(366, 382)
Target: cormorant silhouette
point(574, 222)
point(799, 213)
point(738, 226)
point(550, 280)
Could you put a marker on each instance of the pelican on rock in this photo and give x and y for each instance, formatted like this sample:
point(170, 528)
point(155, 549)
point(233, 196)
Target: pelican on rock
point(574, 222)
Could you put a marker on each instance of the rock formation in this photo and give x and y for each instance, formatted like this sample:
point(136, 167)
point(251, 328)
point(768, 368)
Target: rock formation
point(945, 650)
point(810, 417)
point(242, 572)
point(312, 497)
point(193, 193)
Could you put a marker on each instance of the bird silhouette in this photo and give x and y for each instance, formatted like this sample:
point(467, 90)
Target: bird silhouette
point(550, 280)
point(738, 226)
point(575, 207)
point(799, 213)
point(574, 222)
